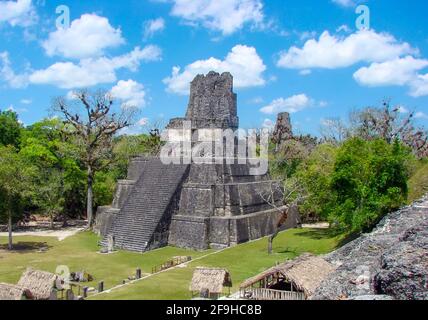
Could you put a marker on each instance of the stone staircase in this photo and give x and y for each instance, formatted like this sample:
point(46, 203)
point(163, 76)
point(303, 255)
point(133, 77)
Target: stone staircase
point(146, 206)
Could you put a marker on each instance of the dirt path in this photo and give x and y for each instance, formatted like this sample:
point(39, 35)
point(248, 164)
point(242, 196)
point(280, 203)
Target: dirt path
point(318, 225)
point(61, 234)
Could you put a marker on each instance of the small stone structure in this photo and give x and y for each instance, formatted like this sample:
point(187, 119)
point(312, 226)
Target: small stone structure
point(283, 130)
point(110, 243)
point(193, 205)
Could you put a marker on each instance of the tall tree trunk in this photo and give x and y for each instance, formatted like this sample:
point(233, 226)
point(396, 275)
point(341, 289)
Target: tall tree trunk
point(281, 221)
point(270, 241)
point(9, 229)
point(64, 221)
point(51, 218)
point(90, 203)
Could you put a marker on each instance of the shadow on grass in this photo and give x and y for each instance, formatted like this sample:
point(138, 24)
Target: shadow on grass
point(319, 234)
point(292, 252)
point(25, 247)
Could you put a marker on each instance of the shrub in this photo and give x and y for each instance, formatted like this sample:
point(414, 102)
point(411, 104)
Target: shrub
point(369, 180)
point(356, 184)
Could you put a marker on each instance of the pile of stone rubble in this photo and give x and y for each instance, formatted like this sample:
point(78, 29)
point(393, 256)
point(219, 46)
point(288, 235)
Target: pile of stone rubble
point(389, 263)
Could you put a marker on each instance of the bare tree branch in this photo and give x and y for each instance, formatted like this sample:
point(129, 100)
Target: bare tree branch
point(93, 130)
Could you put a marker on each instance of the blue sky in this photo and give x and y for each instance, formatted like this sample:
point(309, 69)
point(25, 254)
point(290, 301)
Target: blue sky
point(302, 56)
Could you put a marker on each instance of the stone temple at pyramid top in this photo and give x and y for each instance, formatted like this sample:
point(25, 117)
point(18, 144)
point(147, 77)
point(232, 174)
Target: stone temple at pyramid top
point(212, 103)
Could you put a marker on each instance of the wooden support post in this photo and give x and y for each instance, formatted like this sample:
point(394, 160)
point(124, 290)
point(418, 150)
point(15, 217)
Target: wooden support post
point(101, 286)
point(85, 292)
point(69, 295)
point(138, 274)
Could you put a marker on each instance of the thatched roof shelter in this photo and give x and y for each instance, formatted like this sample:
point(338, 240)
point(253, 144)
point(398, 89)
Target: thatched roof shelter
point(40, 283)
point(211, 279)
point(13, 292)
point(306, 273)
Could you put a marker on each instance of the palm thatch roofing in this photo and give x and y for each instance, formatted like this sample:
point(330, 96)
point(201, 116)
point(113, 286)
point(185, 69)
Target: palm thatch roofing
point(13, 292)
point(211, 279)
point(306, 273)
point(40, 283)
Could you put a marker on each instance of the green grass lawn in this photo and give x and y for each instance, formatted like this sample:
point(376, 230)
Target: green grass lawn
point(80, 253)
point(418, 182)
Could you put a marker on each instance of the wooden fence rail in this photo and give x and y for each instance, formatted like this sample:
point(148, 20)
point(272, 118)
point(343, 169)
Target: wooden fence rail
point(269, 294)
point(171, 263)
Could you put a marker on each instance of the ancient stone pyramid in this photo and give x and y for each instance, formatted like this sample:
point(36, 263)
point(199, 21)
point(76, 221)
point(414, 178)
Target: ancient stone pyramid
point(193, 205)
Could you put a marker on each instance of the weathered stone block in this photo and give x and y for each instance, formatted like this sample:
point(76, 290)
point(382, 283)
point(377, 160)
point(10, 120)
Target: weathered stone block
point(123, 190)
point(196, 201)
point(189, 232)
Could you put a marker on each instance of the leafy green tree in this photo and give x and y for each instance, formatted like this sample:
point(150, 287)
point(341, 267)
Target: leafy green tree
point(59, 174)
point(357, 183)
point(315, 175)
point(15, 180)
point(49, 195)
point(369, 180)
point(10, 128)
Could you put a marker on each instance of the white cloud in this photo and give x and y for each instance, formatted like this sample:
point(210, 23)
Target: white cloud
point(403, 110)
point(8, 75)
point(421, 115)
point(242, 61)
point(17, 13)
point(90, 72)
point(305, 72)
point(68, 75)
point(396, 72)
point(391, 62)
point(334, 51)
point(323, 104)
point(305, 35)
point(226, 16)
point(256, 100)
point(133, 59)
point(137, 128)
point(71, 95)
point(86, 37)
point(130, 92)
point(26, 101)
point(153, 26)
point(419, 86)
point(268, 124)
point(143, 122)
point(292, 104)
point(344, 3)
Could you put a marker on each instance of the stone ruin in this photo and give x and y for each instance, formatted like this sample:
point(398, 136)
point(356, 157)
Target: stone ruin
point(283, 130)
point(197, 206)
point(389, 263)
